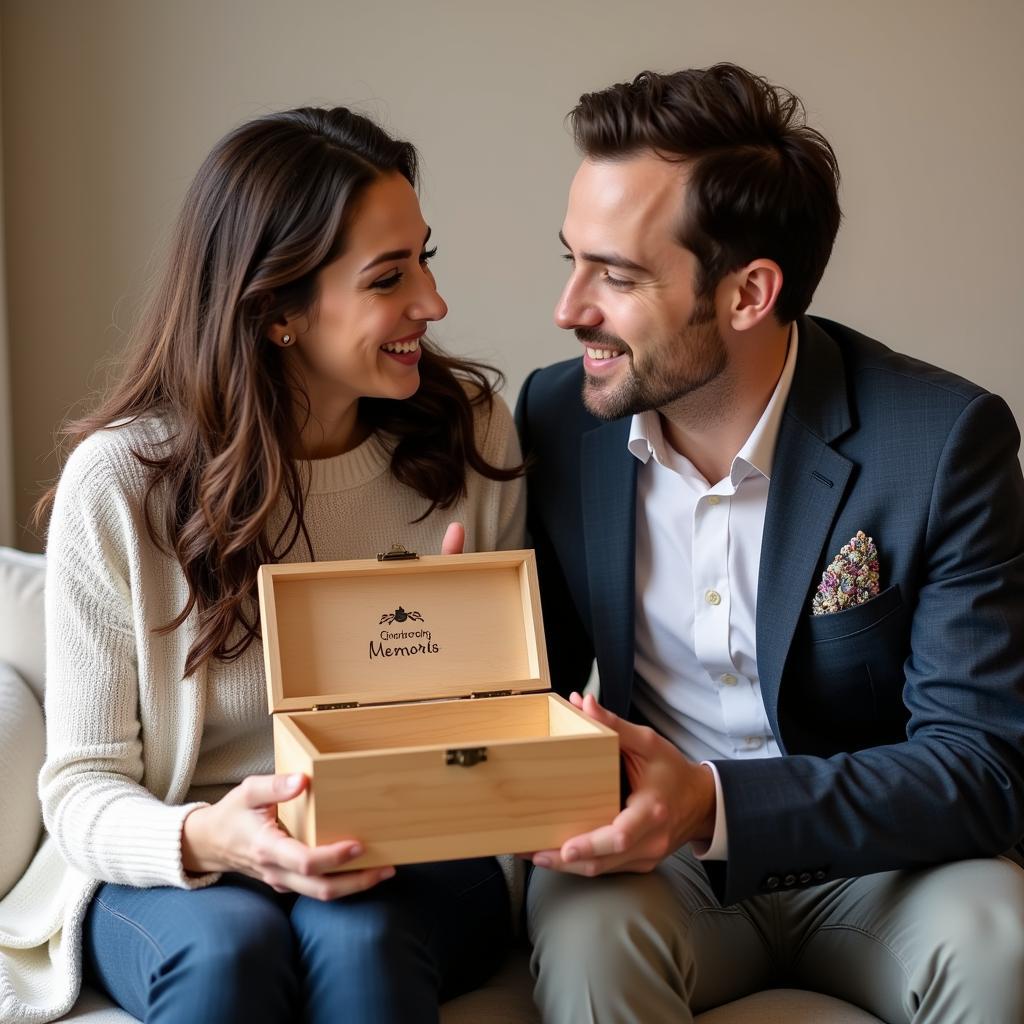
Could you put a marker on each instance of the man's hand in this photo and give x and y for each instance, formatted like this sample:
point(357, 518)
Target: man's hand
point(672, 802)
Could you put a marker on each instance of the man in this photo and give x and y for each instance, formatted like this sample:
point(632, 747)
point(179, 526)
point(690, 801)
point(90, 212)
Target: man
point(798, 558)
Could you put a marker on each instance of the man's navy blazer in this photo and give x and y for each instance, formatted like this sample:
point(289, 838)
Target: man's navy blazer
point(901, 720)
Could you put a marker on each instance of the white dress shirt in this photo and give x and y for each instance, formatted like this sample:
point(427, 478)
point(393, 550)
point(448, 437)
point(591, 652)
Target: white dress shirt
point(698, 553)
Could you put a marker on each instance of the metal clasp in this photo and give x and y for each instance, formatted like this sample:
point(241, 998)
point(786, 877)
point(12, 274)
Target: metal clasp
point(398, 553)
point(466, 757)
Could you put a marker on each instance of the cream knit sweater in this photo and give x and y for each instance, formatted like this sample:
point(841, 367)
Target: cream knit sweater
point(131, 746)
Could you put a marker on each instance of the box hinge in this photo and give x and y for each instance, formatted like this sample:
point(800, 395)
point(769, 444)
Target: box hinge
point(398, 553)
point(336, 707)
point(478, 695)
point(466, 757)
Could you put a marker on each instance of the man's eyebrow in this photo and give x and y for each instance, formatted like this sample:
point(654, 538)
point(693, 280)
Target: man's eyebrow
point(610, 259)
point(394, 254)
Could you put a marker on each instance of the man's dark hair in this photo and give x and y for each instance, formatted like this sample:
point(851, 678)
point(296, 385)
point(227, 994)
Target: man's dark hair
point(762, 184)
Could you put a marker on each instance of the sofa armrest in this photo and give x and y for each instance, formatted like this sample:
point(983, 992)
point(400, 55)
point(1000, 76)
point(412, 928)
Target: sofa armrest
point(22, 748)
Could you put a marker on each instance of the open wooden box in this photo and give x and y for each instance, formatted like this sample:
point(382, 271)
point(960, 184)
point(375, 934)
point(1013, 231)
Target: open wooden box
point(414, 693)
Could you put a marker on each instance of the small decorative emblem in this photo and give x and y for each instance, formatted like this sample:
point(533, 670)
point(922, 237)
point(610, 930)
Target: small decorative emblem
point(400, 615)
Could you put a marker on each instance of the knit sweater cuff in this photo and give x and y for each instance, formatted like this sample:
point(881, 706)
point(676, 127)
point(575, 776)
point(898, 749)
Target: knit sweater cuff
point(149, 853)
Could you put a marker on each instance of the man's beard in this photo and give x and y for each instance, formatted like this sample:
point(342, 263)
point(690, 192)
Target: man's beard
point(653, 384)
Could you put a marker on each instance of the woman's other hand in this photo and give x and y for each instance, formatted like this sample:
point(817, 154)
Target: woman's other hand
point(454, 539)
point(240, 833)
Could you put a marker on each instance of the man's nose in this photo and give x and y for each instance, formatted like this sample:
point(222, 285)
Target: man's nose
point(574, 308)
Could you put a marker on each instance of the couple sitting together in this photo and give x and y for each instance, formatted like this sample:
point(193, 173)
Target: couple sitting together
point(796, 556)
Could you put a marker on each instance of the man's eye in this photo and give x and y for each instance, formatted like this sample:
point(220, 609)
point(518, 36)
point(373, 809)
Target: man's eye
point(568, 257)
point(618, 282)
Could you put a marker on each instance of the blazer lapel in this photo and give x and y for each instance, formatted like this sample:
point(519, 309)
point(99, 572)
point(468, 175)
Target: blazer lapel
point(609, 535)
point(807, 486)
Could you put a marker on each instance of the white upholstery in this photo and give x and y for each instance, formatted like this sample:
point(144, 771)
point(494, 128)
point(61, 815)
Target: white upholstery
point(505, 1000)
point(22, 643)
point(22, 742)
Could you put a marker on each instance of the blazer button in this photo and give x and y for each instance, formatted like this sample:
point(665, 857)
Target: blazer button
point(819, 875)
point(771, 882)
point(805, 878)
point(789, 880)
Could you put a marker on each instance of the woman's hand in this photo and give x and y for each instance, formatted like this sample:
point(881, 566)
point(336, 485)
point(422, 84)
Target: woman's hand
point(454, 539)
point(240, 833)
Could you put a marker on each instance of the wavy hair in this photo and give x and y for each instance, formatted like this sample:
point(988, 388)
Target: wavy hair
point(266, 211)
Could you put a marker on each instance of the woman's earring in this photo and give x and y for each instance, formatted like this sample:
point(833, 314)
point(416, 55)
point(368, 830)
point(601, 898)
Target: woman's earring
point(286, 339)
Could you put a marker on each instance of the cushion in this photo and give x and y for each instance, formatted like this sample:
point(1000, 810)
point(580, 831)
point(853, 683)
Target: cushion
point(22, 746)
point(787, 1006)
point(22, 640)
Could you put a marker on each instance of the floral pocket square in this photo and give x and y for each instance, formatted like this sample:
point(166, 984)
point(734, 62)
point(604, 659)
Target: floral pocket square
point(850, 579)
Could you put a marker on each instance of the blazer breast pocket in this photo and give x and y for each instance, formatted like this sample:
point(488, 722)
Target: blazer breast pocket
point(858, 619)
point(844, 684)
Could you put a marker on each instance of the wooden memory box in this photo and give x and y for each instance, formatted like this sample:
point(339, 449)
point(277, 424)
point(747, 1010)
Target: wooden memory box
point(414, 693)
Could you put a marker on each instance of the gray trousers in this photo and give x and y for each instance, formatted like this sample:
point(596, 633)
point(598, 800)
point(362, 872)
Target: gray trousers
point(938, 946)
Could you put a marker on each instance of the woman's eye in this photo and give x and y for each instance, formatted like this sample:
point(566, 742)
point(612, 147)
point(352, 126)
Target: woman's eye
point(383, 283)
point(618, 282)
point(428, 254)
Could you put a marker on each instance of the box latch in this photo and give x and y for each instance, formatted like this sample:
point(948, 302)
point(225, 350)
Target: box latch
point(344, 705)
point(398, 553)
point(466, 757)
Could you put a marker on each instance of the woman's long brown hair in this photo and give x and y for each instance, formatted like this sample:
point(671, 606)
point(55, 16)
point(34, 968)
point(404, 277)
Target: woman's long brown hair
point(266, 211)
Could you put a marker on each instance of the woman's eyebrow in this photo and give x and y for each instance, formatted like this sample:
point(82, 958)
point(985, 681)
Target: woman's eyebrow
point(394, 254)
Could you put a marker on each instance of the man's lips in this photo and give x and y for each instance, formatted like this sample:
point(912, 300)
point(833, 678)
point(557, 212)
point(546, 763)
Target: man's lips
point(599, 358)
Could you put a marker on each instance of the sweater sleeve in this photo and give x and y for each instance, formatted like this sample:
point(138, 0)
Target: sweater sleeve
point(500, 508)
point(104, 820)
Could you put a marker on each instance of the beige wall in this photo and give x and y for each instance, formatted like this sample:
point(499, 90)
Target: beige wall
point(109, 105)
point(7, 530)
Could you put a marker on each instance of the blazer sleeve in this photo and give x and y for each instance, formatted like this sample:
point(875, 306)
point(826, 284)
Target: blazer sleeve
point(954, 788)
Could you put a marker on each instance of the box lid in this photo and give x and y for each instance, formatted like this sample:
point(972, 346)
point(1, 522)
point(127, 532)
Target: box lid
point(372, 632)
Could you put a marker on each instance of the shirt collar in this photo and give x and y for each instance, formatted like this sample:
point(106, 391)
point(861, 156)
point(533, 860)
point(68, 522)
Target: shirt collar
point(758, 452)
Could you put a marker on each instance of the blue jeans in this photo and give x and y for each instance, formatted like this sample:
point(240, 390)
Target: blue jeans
point(239, 951)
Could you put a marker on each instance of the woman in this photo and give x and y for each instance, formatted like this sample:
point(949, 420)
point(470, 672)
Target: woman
point(283, 404)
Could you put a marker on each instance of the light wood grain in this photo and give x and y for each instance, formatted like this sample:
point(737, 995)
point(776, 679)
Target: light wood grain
point(381, 774)
point(294, 753)
point(324, 641)
point(411, 806)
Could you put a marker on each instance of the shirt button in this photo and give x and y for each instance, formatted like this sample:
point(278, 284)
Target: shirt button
point(728, 679)
point(713, 597)
point(713, 499)
point(752, 742)
point(789, 880)
point(805, 877)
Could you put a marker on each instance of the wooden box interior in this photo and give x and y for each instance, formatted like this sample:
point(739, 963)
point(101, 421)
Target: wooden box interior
point(440, 723)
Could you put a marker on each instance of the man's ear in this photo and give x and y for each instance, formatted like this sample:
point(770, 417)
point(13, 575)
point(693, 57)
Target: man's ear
point(756, 289)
